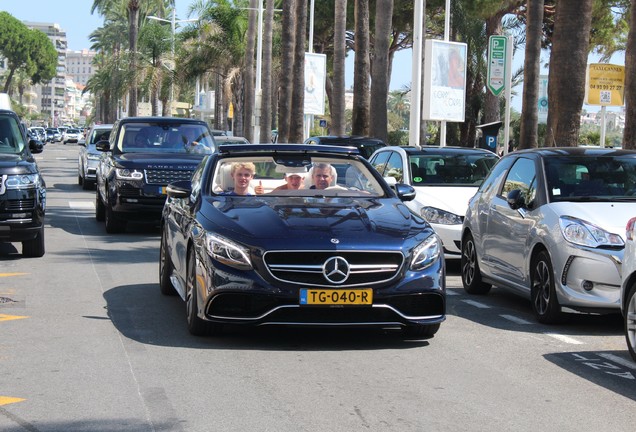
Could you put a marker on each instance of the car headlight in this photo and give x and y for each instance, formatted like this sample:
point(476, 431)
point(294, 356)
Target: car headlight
point(426, 253)
point(127, 174)
point(438, 216)
point(584, 233)
point(228, 252)
point(22, 181)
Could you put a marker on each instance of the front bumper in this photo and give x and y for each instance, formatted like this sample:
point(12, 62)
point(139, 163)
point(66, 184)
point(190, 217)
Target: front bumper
point(231, 296)
point(22, 214)
point(451, 239)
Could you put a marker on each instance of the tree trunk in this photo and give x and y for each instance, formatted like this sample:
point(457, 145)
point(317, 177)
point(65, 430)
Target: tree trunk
point(423, 124)
point(266, 99)
point(250, 38)
point(133, 14)
point(337, 92)
point(296, 129)
point(361, 98)
point(287, 63)
point(629, 134)
point(529, 112)
point(380, 78)
point(568, 63)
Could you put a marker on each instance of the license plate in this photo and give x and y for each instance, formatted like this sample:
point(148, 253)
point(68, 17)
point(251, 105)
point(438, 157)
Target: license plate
point(162, 190)
point(336, 297)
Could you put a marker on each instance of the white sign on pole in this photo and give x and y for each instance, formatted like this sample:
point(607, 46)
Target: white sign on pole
point(444, 89)
point(497, 49)
point(542, 109)
point(315, 80)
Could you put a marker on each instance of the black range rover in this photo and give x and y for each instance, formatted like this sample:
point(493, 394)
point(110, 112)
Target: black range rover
point(142, 156)
point(22, 188)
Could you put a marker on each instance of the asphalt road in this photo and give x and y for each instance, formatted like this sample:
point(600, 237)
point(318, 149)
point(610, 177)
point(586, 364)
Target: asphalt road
point(87, 343)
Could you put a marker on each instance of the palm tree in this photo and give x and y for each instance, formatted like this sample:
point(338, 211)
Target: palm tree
point(155, 45)
point(266, 76)
point(337, 107)
point(380, 78)
point(629, 134)
point(287, 64)
point(296, 129)
point(568, 61)
point(529, 111)
point(361, 70)
point(250, 40)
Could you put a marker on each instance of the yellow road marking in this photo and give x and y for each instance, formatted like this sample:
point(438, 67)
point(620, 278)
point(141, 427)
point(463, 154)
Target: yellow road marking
point(11, 274)
point(6, 400)
point(11, 317)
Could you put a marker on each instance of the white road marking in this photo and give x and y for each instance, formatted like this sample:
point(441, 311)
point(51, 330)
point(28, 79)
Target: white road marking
point(616, 359)
point(476, 304)
point(564, 338)
point(515, 319)
point(451, 292)
point(81, 205)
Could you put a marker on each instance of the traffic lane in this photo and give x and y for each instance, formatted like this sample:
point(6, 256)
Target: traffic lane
point(66, 361)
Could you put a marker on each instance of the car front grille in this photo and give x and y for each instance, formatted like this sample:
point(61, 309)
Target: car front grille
point(164, 176)
point(333, 268)
point(18, 205)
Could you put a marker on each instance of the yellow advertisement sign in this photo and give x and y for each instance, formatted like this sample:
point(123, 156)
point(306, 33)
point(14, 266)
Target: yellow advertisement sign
point(605, 84)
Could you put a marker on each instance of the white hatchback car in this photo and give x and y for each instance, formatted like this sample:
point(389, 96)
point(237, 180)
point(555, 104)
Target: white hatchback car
point(628, 287)
point(548, 224)
point(444, 179)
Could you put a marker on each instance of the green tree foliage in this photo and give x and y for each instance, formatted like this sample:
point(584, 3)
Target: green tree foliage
point(27, 50)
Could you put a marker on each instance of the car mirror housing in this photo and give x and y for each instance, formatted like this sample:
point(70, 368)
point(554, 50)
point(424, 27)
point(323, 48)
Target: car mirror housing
point(103, 145)
point(405, 192)
point(516, 199)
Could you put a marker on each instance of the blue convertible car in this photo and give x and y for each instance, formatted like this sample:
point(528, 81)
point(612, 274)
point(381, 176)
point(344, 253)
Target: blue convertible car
point(299, 235)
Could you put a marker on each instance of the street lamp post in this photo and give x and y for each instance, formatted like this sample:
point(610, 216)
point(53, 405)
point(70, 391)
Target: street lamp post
point(173, 26)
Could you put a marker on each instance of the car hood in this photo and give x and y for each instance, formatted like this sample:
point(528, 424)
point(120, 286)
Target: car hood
point(611, 216)
point(453, 199)
point(17, 164)
point(314, 223)
point(158, 160)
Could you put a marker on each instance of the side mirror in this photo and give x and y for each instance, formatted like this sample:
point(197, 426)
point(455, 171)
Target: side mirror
point(103, 145)
point(405, 192)
point(516, 199)
point(35, 146)
point(179, 189)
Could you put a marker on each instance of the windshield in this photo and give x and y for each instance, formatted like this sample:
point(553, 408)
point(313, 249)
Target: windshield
point(584, 178)
point(165, 138)
point(289, 176)
point(450, 169)
point(11, 141)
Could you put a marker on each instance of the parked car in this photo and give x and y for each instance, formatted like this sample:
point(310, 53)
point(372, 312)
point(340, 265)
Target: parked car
point(348, 255)
point(53, 135)
point(628, 287)
point(22, 187)
point(40, 133)
point(230, 140)
point(548, 224)
point(88, 156)
point(143, 155)
point(365, 145)
point(72, 136)
point(444, 178)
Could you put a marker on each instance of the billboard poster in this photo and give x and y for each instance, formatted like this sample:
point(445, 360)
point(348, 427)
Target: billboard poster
point(605, 84)
point(444, 91)
point(315, 80)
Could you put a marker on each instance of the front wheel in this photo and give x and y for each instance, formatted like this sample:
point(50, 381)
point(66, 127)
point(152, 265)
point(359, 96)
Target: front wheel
point(114, 224)
point(471, 275)
point(196, 325)
point(165, 269)
point(630, 321)
point(34, 248)
point(100, 210)
point(543, 294)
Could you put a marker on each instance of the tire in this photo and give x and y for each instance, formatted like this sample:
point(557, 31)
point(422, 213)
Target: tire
point(196, 326)
point(87, 185)
point(165, 269)
point(100, 210)
point(114, 225)
point(545, 304)
point(80, 179)
point(471, 275)
point(426, 331)
point(630, 321)
point(34, 248)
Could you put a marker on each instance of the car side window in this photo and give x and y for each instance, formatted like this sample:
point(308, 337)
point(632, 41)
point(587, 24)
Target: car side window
point(522, 175)
point(394, 167)
point(379, 161)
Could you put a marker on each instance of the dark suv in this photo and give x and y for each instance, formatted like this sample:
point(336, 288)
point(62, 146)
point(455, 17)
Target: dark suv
point(142, 156)
point(22, 188)
point(365, 145)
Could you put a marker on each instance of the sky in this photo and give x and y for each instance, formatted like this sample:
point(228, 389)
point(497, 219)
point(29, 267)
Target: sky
point(74, 17)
